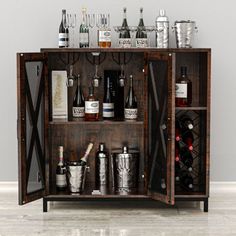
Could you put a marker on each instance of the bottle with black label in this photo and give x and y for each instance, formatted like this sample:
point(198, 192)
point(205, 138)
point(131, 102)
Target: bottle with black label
point(124, 36)
point(78, 103)
point(108, 104)
point(102, 167)
point(83, 31)
point(131, 107)
point(63, 39)
point(141, 34)
point(91, 106)
point(61, 183)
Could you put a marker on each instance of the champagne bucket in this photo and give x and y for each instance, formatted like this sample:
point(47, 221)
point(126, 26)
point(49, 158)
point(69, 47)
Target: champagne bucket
point(76, 176)
point(125, 171)
point(184, 32)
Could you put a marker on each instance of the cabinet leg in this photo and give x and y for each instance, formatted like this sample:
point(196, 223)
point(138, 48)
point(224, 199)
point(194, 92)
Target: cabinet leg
point(45, 205)
point(206, 205)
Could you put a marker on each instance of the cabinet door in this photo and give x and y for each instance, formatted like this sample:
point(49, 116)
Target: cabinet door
point(32, 124)
point(161, 118)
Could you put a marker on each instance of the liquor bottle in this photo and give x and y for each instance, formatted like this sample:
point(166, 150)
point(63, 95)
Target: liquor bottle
point(84, 158)
point(177, 171)
point(101, 167)
point(124, 36)
point(186, 158)
point(63, 33)
point(108, 104)
point(183, 89)
point(83, 31)
point(188, 139)
point(177, 130)
point(104, 32)
point(186, 180)
point(186, 122)
point(177, 151)
point(61, 183)
point(141, 34)
point(131, 108)
point(78, 102)
point(91, 106)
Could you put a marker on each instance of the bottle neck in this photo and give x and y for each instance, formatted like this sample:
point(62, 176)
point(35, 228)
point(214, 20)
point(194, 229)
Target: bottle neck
point(91, 92)
point(85, 157)
point(131, 82)
point(141, 23)
point(78, 81)
point(101, 147)
point(61, 160)
point(83, 16)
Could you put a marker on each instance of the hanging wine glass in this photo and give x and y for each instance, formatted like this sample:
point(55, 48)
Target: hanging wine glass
point(91, 24)
point(72, 24)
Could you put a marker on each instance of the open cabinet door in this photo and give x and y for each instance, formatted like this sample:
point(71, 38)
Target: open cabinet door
point(32, 125)
point(161, 102)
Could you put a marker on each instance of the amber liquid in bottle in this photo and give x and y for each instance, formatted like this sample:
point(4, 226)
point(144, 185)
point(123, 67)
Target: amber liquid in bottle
point(183, 89)
point(91, 106)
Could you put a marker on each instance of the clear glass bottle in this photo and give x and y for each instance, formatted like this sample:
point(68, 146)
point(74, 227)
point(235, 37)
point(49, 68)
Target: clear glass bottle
point(131, 107)
point(183, 89)
point(91, 106)
point(61, 183)
point(124, 36)
point(83, 31)
point(78, 102)
point(63, 37)
point(104, 31)
point(141, 40)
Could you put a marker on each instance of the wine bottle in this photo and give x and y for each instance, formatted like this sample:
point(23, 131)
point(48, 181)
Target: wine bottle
point(91, 106)
point(141, 34)
point(188, 139)
point(63, 33)
point(84, 158)
point(101, 163)
point(124, 36)
point(131, 108)
point(186, 122)
point(83, 31)
point(186, 180)
point(108, 104)
point(61, 183)
point(186, 158)
point(177, 171)
point(177, 151)
point(177, 130)
point(78, 102)
point(183, 89)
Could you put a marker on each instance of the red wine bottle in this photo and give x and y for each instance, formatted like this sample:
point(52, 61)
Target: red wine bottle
point(186, 158)
point(177, 171)
point(186, 180)
point(188, 139)
point(186, 122)
point(177, 151)
point(177, 130)
point(63, 38)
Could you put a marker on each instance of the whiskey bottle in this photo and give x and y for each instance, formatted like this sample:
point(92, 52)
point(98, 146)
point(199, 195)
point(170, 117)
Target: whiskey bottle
point(78, 102)
point(91, 106)
point(104, 32)
point(61, 183)
point(183, 89)
point(108, 104)
point(141, 34)
point(131, 108)
point(63, 39)
point(83, 31)
point(124, 36)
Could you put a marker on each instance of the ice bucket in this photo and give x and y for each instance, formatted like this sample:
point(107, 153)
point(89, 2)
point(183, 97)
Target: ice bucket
point(125, 166)
point(184, 32)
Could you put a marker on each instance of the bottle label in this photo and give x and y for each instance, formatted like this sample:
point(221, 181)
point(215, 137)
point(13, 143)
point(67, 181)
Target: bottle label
point(125, 43)
point(108, 110)
point(78, 112)
point(61, 180)
point(84, 38)
point(62, 40)
point(104, 36)
point(131, 114)
point(92, 107)
point(180, 90)
point(141, 43)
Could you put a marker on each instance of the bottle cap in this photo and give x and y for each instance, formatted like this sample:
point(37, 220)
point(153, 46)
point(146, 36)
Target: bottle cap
point(125, 149)
point(101, 147)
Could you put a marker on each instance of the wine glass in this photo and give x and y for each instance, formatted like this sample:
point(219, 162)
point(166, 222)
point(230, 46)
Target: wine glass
point(91, 24)
point(72, 24)
point(66, 25)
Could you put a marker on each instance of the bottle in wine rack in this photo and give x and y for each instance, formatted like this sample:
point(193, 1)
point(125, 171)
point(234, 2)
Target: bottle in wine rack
point(188, 139)
point(186, 180)
point(186, 122)
point(83, 31)
point(183, 89)
point(61, 182)
point(91, 106)
point(141, 34)
point(63, 39)
point(177, 151)
point(108, 104)
point(131, 108)
point(186, 158)
point(177, 171)
point(124, 36)
point(177, 130)
point(78, 102)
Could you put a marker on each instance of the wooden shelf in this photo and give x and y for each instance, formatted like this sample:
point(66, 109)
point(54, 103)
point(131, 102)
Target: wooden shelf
point(191, 108)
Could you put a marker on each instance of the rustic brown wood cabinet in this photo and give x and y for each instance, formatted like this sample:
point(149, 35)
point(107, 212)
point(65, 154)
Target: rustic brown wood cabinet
point(154, 72)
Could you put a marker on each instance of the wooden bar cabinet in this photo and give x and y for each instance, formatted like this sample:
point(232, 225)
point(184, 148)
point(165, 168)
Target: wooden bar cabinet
point(153, 134)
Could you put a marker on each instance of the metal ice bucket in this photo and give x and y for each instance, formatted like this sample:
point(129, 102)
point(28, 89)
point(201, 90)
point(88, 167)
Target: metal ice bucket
point(125, 166)
point(76, 176)
point(184, 32)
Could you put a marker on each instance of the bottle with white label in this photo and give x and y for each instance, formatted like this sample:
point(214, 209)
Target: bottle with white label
point(63, 39)
point(61, 182)
point(78, 103)
point(91, 106)
point(104, 31)
point(131, 108)
point(84, 31)
point(124, 37)
point(108, 104)
point(183, 89)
